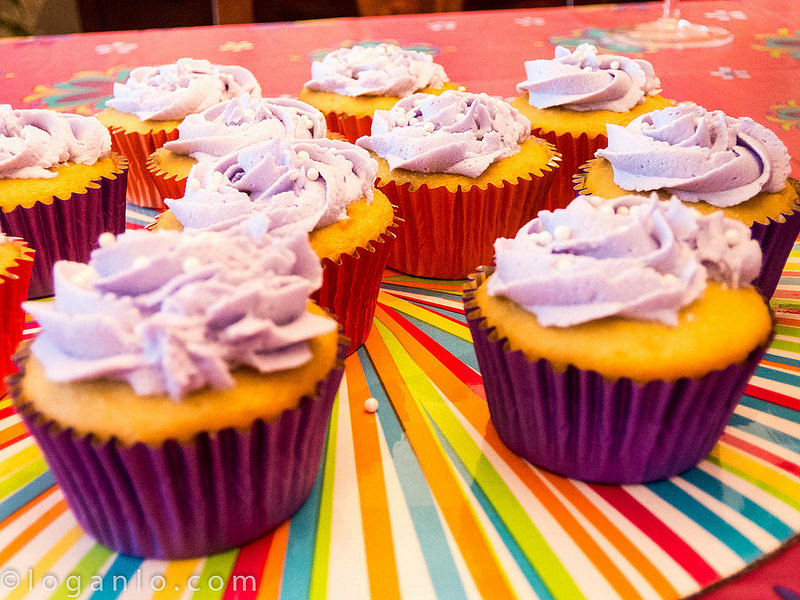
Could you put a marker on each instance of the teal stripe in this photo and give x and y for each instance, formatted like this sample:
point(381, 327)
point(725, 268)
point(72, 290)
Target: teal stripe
point(432, 293)
point(435, 549)
point(770, 408)
point(296, 582)
point(513, 547)
point(782, 360)
point(706, 519)
point(775, 375)
point(461, 349)
point(115, 580)
point(790, 280)
point(740, 503)
point(766, 433)
point(25, 494)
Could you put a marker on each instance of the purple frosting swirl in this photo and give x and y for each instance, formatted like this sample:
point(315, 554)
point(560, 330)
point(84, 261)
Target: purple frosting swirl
point(381, 70)
point(177, 90)
point(244, 121)
point(456, 132)
point(298, 185)
point(174, 312)
point(697, 155)
point(585, 80)
point(34, 141)
point(632, 257)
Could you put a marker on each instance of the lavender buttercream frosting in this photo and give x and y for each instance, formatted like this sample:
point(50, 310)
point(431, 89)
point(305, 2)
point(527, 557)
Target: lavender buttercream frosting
point(381, 70)
point(177, 90)
point(299, 185)
point(697, 155)
point(585, 80)
point(171, 313)
point(633, 257)
point(34, 141)
point(243, 121)
point(456, 132)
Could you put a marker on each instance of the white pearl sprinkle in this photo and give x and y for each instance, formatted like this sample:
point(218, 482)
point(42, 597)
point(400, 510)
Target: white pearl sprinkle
point(429, 127)
point(587, 69)
point(545, 237)
point(614, 64)
point(106, 239)
point(307, 122)
point(606, 209)
point(595, 201)
point(670, 279)
point(217, 177)
point(83, 278)
point(562, 233)
point(413, 121)
point(371, 405)
point(212, 187)
point(141, 262)
point(417, 103)
point(191, 264)
point(312, 174)
point(563, 263)
point(732, 237)
point(623, 211)
point(303, 155)
point(194, 184)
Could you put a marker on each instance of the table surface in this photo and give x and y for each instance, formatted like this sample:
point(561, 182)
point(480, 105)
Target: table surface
point(421, 499)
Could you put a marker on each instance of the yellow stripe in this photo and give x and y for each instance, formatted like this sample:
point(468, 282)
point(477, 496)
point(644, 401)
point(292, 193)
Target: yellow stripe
point(177, 576)
point(427, 316)
point(5, 403)
point(19, 460)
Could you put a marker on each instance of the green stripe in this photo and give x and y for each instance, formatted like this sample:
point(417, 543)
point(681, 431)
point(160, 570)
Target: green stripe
point(787, 330)
point(319, 571)
point(757, 482)
point(786, 345)
point(80, 578)
point(513, 515)
point(216, 566)
point(19, 478)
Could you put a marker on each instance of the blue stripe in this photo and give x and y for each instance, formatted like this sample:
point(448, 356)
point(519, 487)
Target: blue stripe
point(706, 519)
point(782, 360)
point(513, 547)
point(121, 570)
point(770, 408)
point(766, 433)
point(141, 210)
point(775, 375)
point(740, 503)
point(25, 494)
point(435, 549)
point(432, 293)
point(461, 349)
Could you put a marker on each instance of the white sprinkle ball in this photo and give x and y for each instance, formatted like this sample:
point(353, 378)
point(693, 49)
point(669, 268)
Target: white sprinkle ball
point(312, 174)
point(587, 69)
point(563, 263)
point(83, 278)
point(217, 177)
point(595, 201)
point(545, 237)
point(106, 239)
point(303, 155)
point(606, 209)
point(614, 64)
point(670, 279)
point(371, 405)
point(623, 211)
point(413, 121)
point(141, 262)
point(732, 237)
point(429, 127)
point(562, 233)
point(212, 187)
point(191, 264)
point(194, 183)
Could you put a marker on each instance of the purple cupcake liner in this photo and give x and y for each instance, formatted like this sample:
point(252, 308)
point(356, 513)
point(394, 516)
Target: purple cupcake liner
point(67, 229)
point(578, 424)
point(187, 499)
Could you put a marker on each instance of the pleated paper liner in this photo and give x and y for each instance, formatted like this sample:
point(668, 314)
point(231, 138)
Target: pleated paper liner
point(67, 229)
point(168, 185)
point(447, 234)
point(350, 286)
point(137, 147)
point(578, 424)
point(350, 126)
point(187, 499)
point(13, 291)
point(776, 238)
point(575, 151)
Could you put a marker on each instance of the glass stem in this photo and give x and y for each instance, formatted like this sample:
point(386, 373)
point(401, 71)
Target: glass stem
point(671, 10)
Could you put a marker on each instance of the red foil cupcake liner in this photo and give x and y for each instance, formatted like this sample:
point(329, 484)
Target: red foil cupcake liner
point(188, 499)
point(350, 287)
point(578, 424)
point(447, 234)
point(351, 127)
point(575, 151)
point(169, 186)
point(137, 147)
point(67, 229)
point(13, 291)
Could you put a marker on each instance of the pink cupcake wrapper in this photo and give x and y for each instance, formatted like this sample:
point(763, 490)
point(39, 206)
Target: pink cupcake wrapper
point(578, 424)
point(188, 499)
point(351, 127)
point(67, 229)
point(13, 291)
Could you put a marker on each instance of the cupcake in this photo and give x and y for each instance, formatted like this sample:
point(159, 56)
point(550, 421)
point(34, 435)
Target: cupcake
point(146, 110)
point(323, 188)
point(570, 99)
point(615, 337)
point(226, 127)
point(462, 170)
point(60, 187)
point(180, 387)
point(16, 263)
point(712, 162)
point(350, 84)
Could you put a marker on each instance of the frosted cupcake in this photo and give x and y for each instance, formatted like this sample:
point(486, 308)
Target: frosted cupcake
point(60, 186)
point(146, 110)
point(715, 163)
point(570, 99)
point(462, 170)
point(323, 188)
point(348, 85)
point(615, 337)
point(181, 386)
point(226, 127)
point(16, 263)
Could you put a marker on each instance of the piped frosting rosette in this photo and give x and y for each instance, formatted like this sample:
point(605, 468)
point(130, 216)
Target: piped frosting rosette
point(62, 223)
point(175, 315)
point(16, 264)
point(298, 185)
point(442, 164)
point(226, 127)
point(632, 259)
point(715, 162)
point(169, 93)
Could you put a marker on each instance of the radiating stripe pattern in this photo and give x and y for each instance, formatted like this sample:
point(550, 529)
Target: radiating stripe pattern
point(421, 499)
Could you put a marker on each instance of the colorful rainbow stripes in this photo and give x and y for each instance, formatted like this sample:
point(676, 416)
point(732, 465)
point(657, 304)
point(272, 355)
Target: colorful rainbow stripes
point(422, 499)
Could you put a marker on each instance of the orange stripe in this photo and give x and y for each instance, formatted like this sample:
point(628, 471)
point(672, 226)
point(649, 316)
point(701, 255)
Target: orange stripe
point(777, 365)
point(32, 531)
point(791, 322)
point(9, 433)
point(476, 412)
point(269, 588)
point(470, 538)
point(381, 561)
point(30, 505)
